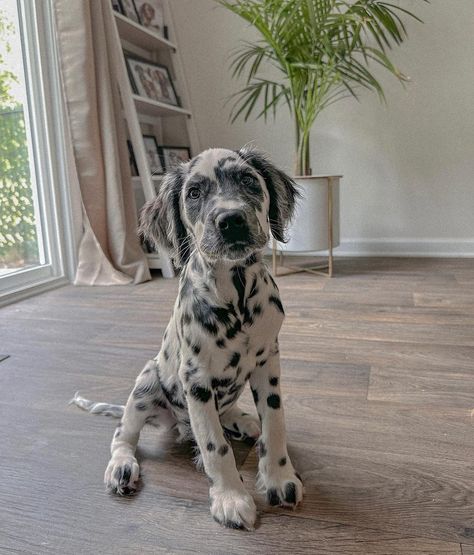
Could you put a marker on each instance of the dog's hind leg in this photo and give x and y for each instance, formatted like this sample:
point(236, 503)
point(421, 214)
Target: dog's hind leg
point(145, 404)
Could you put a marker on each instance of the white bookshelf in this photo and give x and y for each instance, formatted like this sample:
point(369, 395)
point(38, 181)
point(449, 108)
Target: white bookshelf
point(171, 125)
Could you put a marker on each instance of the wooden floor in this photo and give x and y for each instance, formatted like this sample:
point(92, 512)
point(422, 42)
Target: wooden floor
point(378, 374)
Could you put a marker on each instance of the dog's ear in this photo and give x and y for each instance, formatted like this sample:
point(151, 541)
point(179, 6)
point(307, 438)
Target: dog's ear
point(160, 219)
point(282, 189)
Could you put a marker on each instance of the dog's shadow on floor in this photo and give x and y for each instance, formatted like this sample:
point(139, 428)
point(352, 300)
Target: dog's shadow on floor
point(173, 467)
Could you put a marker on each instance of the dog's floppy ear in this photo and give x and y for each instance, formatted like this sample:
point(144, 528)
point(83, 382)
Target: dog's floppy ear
point(282, 189)
point(160, 219)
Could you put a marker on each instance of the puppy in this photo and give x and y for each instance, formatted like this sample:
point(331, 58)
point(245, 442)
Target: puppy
point(214, 215)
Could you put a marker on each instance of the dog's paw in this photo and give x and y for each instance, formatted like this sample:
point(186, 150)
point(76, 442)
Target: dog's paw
point(233, 508)
point(284, 489)
point(241, 426)
point(121, 475)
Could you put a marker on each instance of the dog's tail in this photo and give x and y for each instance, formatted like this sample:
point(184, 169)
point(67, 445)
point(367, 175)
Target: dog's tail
point(106, 409)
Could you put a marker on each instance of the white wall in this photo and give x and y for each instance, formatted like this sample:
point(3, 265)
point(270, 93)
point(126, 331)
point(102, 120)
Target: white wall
point(408, 166)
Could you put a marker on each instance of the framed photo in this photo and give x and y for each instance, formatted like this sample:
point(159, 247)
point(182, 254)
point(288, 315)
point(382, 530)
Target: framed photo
point(153, 155)
point(129, 10)
point(151, 80)
point(116, 6)
point(172, 156)
point(132, 161)
point(151, 14)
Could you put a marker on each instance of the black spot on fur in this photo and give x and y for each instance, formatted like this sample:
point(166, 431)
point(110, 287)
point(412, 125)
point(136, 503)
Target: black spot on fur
point(196, 349)
point(170, 396)
point(251, 260)
point(239, 280)
point(275, 286)
point(234, 330)
point(290, 493)
point(248, 376)
point(282, 461)
point(216, 402)
point(262, 362)
point(223, 450)
point(261, 449)
point(230, 401)
point(273, 299)
point(255, 395)
point(257, 309)
point(200, 393)
point(211, 446)
point(166, 354)
point(273, 401)
point(272, 497)
point(141, 406)
point(273, 381)
point(220, 343)
point(159, 403)
point(235, 359)
point(260, 352)
point(220, 382)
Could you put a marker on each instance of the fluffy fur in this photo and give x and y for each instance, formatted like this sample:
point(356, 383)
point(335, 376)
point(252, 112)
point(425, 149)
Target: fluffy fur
point(214, 215)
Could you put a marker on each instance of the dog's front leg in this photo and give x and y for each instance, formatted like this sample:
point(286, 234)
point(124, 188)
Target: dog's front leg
point(276, 473)
point(231, 504)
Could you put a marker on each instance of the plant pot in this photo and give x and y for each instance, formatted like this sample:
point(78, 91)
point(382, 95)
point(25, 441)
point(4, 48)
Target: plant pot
point(309, 231)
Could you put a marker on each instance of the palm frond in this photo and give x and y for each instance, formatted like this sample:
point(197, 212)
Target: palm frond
point(321, 51)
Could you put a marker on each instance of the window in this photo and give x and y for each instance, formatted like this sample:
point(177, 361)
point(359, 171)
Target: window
point(33, 208)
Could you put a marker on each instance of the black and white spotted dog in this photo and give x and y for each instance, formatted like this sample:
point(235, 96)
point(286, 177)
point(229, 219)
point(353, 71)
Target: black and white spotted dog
point(214, 214)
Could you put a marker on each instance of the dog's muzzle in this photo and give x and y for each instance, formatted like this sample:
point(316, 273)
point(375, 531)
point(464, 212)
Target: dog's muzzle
point(232, 226)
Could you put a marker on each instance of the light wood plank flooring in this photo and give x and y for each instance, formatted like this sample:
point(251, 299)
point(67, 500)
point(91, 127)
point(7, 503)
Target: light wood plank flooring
point(378, 375)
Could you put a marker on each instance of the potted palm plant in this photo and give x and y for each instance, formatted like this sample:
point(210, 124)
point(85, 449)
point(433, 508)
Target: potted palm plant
point(317, 52)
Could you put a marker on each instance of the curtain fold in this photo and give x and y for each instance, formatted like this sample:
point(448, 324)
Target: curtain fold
point(109, 252)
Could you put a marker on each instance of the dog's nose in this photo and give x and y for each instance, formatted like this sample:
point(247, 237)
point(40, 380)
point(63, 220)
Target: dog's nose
point(230, 221)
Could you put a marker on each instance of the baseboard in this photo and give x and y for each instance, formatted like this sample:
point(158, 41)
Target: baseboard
point(438, 248)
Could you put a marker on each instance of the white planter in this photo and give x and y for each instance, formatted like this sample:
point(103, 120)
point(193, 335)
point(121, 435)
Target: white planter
point(309, 231)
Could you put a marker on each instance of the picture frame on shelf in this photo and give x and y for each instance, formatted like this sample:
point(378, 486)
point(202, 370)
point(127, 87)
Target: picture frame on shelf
point(151, 80)
point(151, 15)
point(172, 156)
point(132, 161)
point(155, 160)
point(128, 9)
point(117, 6)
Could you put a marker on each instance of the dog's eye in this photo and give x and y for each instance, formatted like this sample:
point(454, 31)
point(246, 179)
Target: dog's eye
point(248, 180)
point(194, 193)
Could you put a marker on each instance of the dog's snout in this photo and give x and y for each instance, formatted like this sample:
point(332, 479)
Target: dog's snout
point(230, 221)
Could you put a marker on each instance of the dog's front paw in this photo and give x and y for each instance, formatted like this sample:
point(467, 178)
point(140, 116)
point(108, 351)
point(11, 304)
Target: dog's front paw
point(283, 488)
point(121, 475)
point(233, 508)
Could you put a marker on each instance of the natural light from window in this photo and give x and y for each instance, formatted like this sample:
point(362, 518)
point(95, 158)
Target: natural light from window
point(20, 235)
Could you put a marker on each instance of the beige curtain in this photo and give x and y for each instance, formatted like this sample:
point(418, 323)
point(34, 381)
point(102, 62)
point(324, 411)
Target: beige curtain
point(101, 189)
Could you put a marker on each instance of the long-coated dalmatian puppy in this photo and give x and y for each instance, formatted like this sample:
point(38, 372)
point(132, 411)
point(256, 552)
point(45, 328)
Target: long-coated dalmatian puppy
point(214, 215)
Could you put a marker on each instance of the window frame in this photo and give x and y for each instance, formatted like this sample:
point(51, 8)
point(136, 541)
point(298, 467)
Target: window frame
point(46, 128)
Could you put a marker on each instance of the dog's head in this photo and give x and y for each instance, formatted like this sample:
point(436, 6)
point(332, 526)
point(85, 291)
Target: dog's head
point(222, 202)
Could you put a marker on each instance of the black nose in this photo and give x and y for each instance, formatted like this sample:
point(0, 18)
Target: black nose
point(230, 222)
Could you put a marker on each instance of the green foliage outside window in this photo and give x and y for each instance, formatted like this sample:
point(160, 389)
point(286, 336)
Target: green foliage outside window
point(18, 245)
